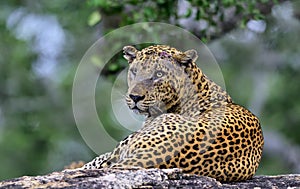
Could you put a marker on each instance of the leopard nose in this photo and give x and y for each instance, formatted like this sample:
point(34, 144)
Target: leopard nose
point(136, 98)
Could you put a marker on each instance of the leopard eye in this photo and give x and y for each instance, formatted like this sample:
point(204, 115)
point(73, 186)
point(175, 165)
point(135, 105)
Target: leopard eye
point(159, 74)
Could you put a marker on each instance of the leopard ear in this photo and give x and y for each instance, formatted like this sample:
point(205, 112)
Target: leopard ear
point(191, 55)
point(187, 57)
point(129, 53)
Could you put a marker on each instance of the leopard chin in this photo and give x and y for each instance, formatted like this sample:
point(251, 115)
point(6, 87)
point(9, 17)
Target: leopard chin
point(138, 111)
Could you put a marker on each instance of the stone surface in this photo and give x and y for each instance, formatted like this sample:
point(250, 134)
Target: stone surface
point(142, 178)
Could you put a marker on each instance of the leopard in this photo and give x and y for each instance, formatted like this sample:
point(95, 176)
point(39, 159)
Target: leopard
point(191, 123)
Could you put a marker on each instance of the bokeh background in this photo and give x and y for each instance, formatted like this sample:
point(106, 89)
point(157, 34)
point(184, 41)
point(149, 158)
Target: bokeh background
point(256, 43)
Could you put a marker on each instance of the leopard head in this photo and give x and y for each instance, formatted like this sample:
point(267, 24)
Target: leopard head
point(157, 77)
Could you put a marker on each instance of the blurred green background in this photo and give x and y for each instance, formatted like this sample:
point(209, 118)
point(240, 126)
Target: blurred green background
point(256, 44)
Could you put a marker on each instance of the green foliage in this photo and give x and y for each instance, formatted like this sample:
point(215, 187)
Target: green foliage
point(284, 114)
point(213, 12)
point(94, 18)
point(35, 112)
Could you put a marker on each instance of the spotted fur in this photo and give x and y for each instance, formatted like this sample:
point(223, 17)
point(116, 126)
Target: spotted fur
point(192, 123)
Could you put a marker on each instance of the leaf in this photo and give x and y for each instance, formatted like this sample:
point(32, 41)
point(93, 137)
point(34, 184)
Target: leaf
point(94, 18)
point(113, 67)
point(188, 13)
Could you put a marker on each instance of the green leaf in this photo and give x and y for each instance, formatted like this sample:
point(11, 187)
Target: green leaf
point(243, 23)
point(228, 3)
point(198, 15)
point(149, 13)
point(188, 13)
point(94, 18)
point(259, 17)
point(264, 1)
point(161, 1)
point(113, 67)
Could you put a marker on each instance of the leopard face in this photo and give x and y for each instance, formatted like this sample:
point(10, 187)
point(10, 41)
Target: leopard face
point(156, 78)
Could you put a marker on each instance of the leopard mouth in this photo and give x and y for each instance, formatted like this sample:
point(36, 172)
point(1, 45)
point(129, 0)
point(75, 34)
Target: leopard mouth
point(141, 107)
point(139, 111)
point(135, 109)
point(152, 110)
